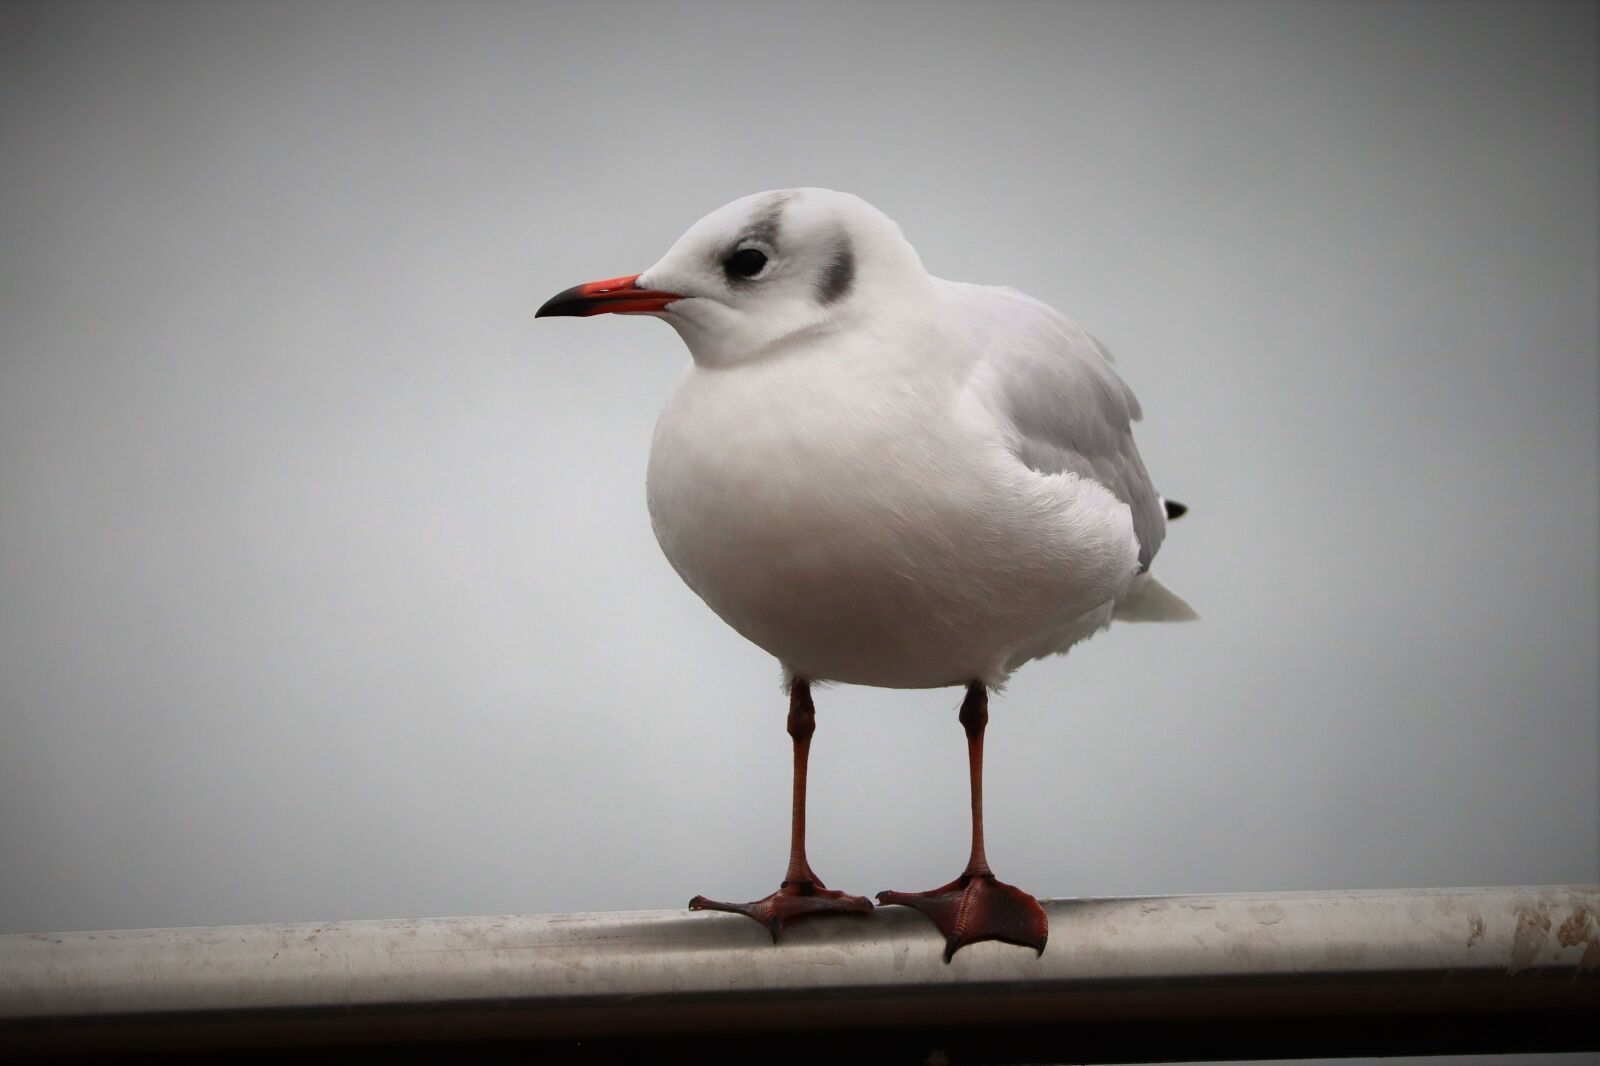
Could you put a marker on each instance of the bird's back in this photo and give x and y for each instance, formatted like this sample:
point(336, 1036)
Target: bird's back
point(1060, 400)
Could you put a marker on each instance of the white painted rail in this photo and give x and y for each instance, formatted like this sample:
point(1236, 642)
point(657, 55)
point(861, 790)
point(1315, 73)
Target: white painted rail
point(1287, 974)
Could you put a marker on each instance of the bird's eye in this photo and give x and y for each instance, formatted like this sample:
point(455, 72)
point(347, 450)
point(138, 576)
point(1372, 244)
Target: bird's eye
point(745, 263)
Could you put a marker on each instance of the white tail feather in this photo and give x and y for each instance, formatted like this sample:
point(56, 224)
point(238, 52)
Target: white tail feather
point(1151, 601)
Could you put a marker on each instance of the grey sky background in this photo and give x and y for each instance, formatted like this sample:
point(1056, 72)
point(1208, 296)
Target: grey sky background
point(326, 584)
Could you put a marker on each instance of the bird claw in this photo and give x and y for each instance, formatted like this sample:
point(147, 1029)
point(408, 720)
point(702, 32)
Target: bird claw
point(793, 901)
point(977, 907)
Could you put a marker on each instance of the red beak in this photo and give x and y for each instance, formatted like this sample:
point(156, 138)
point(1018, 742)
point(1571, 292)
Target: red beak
point(614, 296)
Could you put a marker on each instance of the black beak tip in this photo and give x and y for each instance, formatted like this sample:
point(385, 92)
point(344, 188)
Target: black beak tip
point(565, 304)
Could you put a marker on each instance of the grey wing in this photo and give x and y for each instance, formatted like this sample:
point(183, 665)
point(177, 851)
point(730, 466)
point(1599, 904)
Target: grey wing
point(1071, 413)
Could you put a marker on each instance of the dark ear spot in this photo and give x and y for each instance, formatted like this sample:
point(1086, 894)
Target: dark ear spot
point(839, 274)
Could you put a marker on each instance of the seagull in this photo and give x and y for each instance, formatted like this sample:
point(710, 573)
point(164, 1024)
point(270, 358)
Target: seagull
point(884, 478)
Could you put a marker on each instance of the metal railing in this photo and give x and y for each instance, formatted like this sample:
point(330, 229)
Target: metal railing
point(1180, 977)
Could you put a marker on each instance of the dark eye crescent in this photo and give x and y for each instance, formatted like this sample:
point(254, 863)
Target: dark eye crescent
point(745, 263)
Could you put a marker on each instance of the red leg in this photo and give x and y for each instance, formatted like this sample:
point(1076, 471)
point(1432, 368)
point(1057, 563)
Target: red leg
point(802, 893)
point(976, 906)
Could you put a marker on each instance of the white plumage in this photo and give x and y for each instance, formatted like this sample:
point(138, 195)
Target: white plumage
point(885, 478)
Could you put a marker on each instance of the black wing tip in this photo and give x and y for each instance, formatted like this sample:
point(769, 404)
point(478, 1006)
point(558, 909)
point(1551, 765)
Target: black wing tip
point(1175, 510)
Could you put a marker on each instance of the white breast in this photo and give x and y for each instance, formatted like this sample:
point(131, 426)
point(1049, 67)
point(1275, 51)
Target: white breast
point(869, 525)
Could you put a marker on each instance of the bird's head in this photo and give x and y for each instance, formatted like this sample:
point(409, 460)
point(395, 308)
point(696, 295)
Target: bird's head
point(764, 270)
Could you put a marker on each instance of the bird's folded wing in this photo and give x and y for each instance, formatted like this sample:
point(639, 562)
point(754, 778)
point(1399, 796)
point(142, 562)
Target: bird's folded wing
point(1067, 409)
